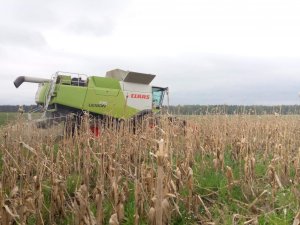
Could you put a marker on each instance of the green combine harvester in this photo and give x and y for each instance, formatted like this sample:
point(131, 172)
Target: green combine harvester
point(120, 95)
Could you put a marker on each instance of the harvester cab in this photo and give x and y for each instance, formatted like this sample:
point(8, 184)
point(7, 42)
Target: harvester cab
point(120, 94)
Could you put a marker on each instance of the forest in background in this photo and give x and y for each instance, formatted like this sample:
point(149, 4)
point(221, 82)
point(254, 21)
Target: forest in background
point(234, 109)
point(203, 109)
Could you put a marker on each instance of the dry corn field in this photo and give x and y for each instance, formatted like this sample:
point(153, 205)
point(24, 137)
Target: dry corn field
point(215, 170)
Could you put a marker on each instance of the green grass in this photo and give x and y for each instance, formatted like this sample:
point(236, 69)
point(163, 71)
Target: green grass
point(277, 218)
point(210, 181)
point(6, 117)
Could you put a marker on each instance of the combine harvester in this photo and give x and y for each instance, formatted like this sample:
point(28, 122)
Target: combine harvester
point(120, 95)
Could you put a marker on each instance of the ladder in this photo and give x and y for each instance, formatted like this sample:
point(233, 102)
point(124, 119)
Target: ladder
point(49, 94)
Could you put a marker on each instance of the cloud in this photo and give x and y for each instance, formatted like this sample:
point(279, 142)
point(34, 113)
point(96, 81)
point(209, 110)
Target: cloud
point(207, 52)
point(13, 36)
point(100, 27)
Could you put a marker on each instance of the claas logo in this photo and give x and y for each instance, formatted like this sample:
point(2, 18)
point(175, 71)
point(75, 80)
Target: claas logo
point(140, 96)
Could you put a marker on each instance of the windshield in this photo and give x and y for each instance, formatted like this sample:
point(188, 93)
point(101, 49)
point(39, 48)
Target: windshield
point(158, 96)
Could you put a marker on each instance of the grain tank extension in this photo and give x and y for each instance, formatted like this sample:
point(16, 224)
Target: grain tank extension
point(120, 94)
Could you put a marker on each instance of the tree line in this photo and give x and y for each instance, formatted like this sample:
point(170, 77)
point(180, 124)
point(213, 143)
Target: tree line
point(234, 109)
point(15, 108)
point(202, 109)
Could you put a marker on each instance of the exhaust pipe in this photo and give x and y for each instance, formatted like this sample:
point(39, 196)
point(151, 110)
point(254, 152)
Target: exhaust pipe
point(22, 79)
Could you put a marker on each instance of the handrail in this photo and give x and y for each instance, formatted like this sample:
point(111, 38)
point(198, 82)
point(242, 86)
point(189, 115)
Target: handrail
point(49, 94)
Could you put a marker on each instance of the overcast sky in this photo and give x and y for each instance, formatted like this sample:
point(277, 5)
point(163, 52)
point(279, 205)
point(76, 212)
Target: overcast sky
point(205, 51)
